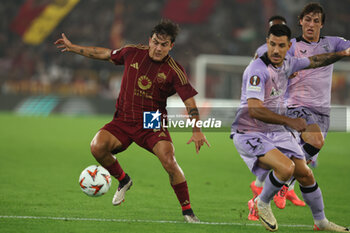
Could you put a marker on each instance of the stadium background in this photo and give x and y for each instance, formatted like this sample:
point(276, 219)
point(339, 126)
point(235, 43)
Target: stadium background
point(37, 80)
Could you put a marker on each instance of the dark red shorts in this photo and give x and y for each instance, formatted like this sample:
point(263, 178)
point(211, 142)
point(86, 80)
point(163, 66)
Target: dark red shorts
point(128, 132)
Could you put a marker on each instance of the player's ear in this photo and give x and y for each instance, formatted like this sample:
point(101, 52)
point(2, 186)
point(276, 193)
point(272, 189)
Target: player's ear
point(289, 45)
point(172, 45)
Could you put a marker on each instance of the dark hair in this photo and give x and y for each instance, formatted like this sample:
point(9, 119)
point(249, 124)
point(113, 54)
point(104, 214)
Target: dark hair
point(166, 28)
point(280, 30)
point(277, 17)
point(313, 7)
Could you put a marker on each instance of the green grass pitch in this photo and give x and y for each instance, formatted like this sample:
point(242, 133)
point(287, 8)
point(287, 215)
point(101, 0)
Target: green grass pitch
point(41, 160)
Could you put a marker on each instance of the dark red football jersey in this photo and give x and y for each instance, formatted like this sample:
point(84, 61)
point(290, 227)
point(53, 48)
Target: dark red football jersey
point(147, 84)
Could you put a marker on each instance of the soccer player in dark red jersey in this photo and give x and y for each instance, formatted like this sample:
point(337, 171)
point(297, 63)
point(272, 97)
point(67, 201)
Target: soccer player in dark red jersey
point(151, 75)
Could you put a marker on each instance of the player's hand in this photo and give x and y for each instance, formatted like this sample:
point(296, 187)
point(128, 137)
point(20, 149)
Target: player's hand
point(299, 124)
point(347, 52)
point(63, 43)
point(199, 139)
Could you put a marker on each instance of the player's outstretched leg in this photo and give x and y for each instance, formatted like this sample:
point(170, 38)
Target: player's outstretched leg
point(101, 146)
point(164, 150)
point(262, 202)
point(313, 197)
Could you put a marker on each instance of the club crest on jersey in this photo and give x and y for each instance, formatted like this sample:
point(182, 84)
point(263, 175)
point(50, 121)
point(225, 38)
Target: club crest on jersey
point(144, 82)
point(275, 92)
point(161, 77)
point(326, 48)
point(254, 80)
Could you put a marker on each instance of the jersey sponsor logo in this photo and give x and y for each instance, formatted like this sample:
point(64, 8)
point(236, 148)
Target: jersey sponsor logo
point(161, 77)
point(303, 51)
point(144, 82)
point(135, 65)
point(151, 120)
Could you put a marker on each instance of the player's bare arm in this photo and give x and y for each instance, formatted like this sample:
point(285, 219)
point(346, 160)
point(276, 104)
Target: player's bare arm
point(327, 58)
point(197, 137)
point(258, 111)
point(92, 52)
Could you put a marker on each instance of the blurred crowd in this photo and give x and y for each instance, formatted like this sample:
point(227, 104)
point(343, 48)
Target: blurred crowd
point(230, 27)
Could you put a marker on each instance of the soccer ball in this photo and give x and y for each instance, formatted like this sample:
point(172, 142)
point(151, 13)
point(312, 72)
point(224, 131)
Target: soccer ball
point(95, 181)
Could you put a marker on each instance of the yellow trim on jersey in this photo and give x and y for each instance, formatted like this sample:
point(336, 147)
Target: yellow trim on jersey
point(139, 46)
point(178, 71)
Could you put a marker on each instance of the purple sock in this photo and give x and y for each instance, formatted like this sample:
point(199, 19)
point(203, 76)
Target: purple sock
point(313, 197)
point(271, 187)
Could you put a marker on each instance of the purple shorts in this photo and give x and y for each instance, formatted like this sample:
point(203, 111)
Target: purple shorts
point(251, 146)
point(311, 117)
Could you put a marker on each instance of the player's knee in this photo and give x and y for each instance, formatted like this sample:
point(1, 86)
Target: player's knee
point(306, 177)
point(318, 144)
point(287, 171)
point(169, 163)
point(315, 141)
point(98, 149)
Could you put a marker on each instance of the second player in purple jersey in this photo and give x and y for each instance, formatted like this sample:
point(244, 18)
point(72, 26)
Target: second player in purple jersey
point(258, 132)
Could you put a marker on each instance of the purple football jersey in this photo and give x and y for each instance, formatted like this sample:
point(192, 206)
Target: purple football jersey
point(263, 81)
point(312, 88)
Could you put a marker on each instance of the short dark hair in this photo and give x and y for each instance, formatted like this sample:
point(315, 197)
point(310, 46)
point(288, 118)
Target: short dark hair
point(280, 30)
point(313, 7)
point(166, 28)
point(277, 17)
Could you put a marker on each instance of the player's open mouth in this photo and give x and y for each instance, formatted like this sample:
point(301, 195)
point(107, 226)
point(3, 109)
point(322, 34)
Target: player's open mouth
point(276, 57)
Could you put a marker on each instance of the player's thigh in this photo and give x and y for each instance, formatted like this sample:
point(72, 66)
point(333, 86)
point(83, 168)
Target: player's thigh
point(302, 172)
point(313, 136)
point(104, 140)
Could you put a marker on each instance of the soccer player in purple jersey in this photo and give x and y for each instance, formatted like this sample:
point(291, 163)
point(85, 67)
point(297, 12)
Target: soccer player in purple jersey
point(310, 98)
point(287, 191)
point(150, 76)
point(259, 132)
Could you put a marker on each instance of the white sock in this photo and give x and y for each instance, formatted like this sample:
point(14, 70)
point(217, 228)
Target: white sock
point(291, 187)
point(259, 183)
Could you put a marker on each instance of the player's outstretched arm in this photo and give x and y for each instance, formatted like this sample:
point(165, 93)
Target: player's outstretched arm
point(197, 136)
point(326, 59)
point(92, 52)
point(258, 111)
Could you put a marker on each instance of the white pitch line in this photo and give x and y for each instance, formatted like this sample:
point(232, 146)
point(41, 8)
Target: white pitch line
point(141, 221)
